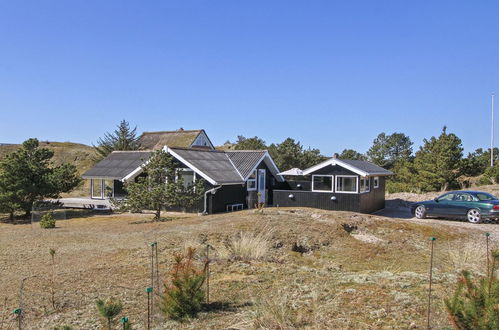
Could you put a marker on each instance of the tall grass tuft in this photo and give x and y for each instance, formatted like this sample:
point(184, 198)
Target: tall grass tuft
point(250, 245)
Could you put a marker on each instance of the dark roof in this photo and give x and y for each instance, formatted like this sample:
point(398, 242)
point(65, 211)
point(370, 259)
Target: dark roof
point(215, 164)
point(179, 138)
point(117, 165)
point(367, 167)
point(245, 160)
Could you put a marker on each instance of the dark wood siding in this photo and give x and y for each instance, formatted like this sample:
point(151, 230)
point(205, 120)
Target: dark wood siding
point(230, 194)
point(375, 199)
point(320, 200)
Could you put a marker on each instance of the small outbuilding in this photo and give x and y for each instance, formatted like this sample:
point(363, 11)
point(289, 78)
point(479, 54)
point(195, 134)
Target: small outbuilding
point(335, 184)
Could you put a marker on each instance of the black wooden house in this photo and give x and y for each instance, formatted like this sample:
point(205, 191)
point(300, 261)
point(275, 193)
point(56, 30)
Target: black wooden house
point(335, 184)
point(234, 180)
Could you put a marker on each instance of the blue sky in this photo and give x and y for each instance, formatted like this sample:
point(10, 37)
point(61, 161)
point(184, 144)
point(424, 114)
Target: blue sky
point(331, 74)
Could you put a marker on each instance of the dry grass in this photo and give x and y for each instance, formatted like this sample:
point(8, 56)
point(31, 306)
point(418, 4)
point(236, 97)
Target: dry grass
point(342, 283)
point(250, 245)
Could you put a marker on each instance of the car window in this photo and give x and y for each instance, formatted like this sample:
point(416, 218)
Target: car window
point(464, 197)
point(446, 197)
point(485, 197)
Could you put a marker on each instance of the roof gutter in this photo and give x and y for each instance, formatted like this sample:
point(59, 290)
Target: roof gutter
point(212, 191)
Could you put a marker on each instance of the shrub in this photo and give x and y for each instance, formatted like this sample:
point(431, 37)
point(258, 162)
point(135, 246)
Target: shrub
point(109, 309)
point(475, 304)
point(183, 297)
point(248, 245)
point(47, 221)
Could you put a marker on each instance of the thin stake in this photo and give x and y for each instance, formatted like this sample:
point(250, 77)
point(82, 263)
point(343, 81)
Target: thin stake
point(487, 249)
point(207, 273)
point(157, 269)
point(432, 239)
point(149, 290)
point(19, 313)
point(152, 274)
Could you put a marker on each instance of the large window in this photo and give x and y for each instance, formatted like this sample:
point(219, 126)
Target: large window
point(251, 183)
point(322, 183)
point(365, 185)
point(346, 183)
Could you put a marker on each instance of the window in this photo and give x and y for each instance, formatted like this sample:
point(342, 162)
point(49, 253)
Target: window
point(187, 175)
point(463, 197)
point(376, 182)
point(485, 197)
point(251, 183)
point(322, 183)
point(346, 183)
point(364, 185)
point(447, 197)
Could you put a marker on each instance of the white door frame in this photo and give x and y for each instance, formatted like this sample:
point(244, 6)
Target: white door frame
point(261, 185)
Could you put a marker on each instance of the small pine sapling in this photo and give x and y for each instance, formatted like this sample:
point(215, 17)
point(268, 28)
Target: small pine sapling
point(184, 296)
point(109, 309)
point(474, 304)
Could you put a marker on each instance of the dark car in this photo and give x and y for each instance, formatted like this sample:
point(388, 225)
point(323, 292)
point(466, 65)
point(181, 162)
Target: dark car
point(475, 206)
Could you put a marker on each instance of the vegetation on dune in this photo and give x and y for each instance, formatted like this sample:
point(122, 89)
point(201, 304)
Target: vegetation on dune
point(29, 174)
point(122, 139)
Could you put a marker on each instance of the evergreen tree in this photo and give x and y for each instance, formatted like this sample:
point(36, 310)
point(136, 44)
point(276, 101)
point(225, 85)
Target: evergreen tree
point(388, 149)
point(352, 154)
point(437, 162)
point(475, 303)
point(123, 138)
point(161, 187)
point(478, 162)
point(290, 154)
point(254, 143)
point(109, 309)
point(28, 175)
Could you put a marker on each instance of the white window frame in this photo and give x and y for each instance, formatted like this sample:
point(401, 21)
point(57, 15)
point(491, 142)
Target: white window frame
point(183, 169)
point(347, 176)
point(332, 183)
point(254, 172)
point(366, 180)
point(376, 182)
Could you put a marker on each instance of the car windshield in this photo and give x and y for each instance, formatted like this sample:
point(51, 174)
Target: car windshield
point(485, 197)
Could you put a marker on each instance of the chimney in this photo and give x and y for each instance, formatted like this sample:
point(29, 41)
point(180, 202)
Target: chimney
point(335, 155)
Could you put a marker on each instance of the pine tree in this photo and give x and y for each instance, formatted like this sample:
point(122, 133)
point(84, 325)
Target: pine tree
point(109, 309)
point(161, 187)
point(28, 175)
point(122, 139)
point(184, 296)
point(475, 303)
point(438, 161)
point(290, 154)
point(254, 143)
point(352, 154)
point(389, 149)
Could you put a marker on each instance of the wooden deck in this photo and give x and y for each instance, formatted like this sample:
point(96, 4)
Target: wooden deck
point(85, 203)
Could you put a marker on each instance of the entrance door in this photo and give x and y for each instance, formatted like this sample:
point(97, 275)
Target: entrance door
point(261, 186)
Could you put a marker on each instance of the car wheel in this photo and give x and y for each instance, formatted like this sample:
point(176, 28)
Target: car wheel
point(420, 212)
point(474, 216)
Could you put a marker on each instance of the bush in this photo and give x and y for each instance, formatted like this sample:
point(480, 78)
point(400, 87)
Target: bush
point(475, 304)
point(47, 221)
point(183, 297)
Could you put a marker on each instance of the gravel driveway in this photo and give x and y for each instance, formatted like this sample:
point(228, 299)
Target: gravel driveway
point(397, 208)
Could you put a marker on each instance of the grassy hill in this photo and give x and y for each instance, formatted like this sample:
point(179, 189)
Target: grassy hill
point(77, 154)
point(283, 269)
